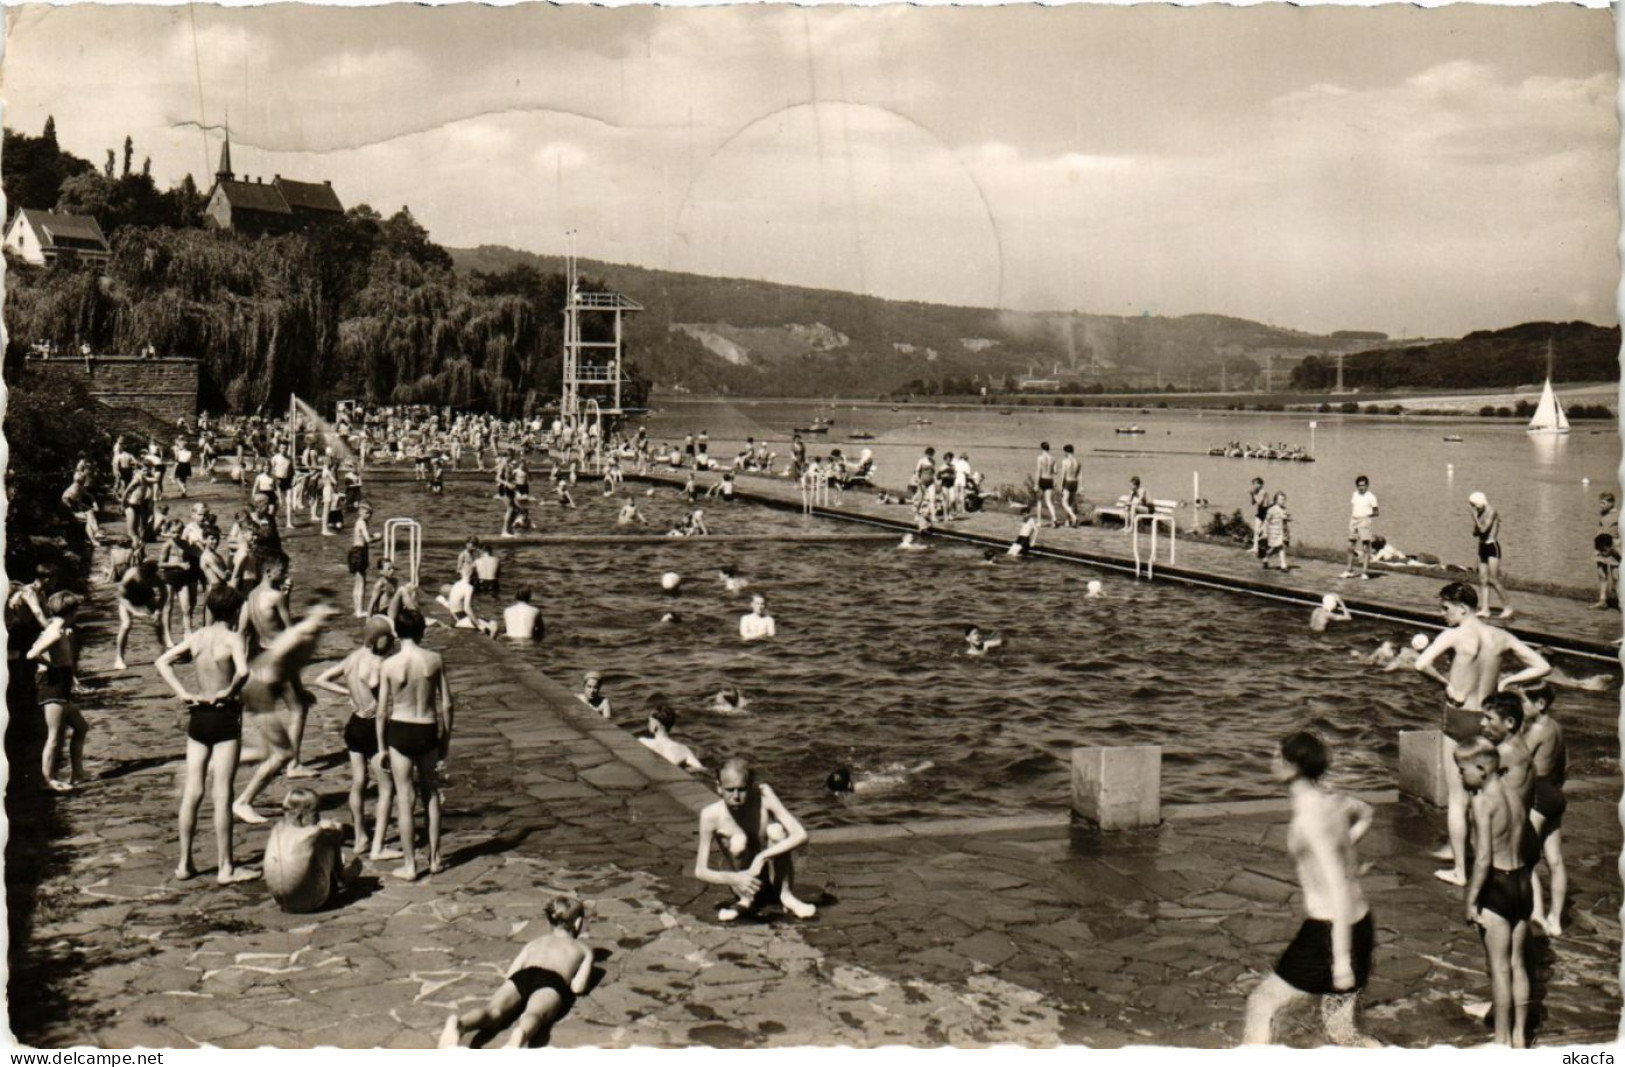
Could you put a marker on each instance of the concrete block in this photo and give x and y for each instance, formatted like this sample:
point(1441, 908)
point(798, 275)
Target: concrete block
point(1423, 765)
point(1118, 788)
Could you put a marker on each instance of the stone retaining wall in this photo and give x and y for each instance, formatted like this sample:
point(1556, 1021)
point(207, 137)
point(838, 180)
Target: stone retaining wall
point(165, 388)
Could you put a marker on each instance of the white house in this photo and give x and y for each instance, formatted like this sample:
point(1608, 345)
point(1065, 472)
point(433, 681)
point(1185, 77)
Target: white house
point(42, 237)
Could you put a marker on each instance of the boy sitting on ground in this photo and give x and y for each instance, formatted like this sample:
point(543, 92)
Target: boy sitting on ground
point(304, 861)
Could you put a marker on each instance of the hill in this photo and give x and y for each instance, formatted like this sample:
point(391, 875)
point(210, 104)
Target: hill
point(1580, 352)
point(734, 335)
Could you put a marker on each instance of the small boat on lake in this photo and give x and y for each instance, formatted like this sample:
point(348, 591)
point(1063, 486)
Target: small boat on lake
point(819, 425)
point(922, 422)
point(861, 435)
point(1130, 429)
point(1453, 438)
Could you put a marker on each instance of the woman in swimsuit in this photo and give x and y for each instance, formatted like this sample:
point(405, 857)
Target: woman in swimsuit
point(58, 660)
point(1331, 955)
point(1487, 530)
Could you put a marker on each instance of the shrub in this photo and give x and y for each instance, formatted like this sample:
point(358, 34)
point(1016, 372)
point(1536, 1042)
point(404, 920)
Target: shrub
point(1232, 527)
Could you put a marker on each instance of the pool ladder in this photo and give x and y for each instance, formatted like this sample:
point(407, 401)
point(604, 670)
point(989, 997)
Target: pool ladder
point(414, 542)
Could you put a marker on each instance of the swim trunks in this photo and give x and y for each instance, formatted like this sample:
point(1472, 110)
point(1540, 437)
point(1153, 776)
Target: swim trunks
point(359, 560)
point(361, 735)
point(183, 471)
point(1025, 543)
point(1046, 484)
point(1548, 799)
point(285, 482)
point(335, 519)
point(532, 980)
point(1488, 550)
point(488, 585)
point(53, 685)
point(412, 739)
point(215, 722)
point(1307, 962)
point(1508, 894)
point(1460, 724)
point(1069, 487)
point(178, 578)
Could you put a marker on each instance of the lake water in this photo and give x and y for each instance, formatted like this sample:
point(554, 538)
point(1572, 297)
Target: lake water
point(1537, 483)
point(867, 669)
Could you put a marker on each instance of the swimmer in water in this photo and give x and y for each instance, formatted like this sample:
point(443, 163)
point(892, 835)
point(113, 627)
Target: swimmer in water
point(730, 700)
point(990, 558)
point(592, 694)
point(758, 625)
point(1332, 609)
point(541, 985)
point(630, 513)
point(731, 580)
point(977, 645)
point(1391, 658)
point(910, 545)
point(893, 775)
point(1094, 590)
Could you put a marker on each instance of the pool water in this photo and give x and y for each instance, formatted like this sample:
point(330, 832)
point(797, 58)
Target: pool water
point(868, 670)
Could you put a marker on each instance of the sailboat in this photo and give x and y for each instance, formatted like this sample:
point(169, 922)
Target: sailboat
point(1549, 417)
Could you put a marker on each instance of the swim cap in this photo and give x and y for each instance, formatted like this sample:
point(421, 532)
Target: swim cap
point(1419, 642)
point(1478, 500)
point(1095, 586)
point(670, 580)
point(1329, 601)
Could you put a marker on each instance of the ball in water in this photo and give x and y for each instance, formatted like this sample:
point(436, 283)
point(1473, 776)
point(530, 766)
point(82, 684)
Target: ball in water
point(1420, 642)
point(670, 581)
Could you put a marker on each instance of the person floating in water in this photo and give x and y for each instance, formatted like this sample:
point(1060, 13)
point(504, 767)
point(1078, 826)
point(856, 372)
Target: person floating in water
point(730, 700)
point(731, 580)
point(908, 544)
point(541, 985)
point(758, 625)
point(842, 780)
point(756, 834)
point(304, 857)
point(1331, 609)
point(1391, 657)
point(1330, 957)
point(977, 645)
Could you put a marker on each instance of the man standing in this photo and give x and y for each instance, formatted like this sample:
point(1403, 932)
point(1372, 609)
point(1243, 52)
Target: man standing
point(1046, 483)
point(1475, 673)
point(1070, 468)
point(415, 718)
point(282, 474)
point(1363, 509)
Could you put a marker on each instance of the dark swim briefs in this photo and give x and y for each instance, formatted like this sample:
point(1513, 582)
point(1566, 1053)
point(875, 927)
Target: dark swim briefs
point(1460, 724)
point(361, 736)
point(413, 740)
point(53, 685)
point(532, 980)
point(1488, 550)
point(183, 471)
point(493, 586)
point(359, 559)
point(1307, 962)
point(1549, 800)
point(1045, 484)
point(1509, 894)
point(215, 722)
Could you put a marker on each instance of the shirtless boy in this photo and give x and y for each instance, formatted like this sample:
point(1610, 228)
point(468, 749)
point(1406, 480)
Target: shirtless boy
point(755, 833)
point(1475, 673)
point(415, 718)
point(542, 983)
point(272, 681)
point(359, 676)
point(214, 725)
point(1549, 770)
point(266, 616)
point(1498, 898)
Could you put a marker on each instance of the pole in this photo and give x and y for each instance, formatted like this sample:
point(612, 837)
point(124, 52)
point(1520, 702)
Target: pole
point(1196, 501)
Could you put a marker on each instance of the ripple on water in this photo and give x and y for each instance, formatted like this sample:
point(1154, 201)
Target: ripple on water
point(868, 671)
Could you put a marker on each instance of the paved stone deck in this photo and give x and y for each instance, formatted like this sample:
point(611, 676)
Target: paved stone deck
point(1036, 937)
point(1561, 622)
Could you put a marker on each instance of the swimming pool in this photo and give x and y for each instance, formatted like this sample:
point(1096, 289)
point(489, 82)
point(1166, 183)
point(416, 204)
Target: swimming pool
point(867, 669)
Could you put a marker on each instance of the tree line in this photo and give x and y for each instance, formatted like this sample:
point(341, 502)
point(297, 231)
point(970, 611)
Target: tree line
point(364, 307)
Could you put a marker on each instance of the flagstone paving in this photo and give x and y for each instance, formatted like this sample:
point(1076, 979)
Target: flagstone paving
point(1035, 938)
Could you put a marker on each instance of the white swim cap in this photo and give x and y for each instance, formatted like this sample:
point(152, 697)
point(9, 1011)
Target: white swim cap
point(1419, 642)
point(1329, 601)
point(1478, 500)
point(1094, 586)
point(670, 580)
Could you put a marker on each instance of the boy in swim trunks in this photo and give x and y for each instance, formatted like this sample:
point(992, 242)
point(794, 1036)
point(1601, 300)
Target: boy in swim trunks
point(358, 676)
point(1023, 544)
point(756, 833)
point(1069, 484)
point(1331, 955)
point(304, 857)
point(273, 686)
point(1548, 758)
point(415, 717)
point(214, 724)
point(541, 985)
point(1499, 899)
point(360, 558)
point(57, 654)
point(1046, 483)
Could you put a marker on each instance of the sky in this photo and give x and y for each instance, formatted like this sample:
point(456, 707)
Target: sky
point(1424, 172)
